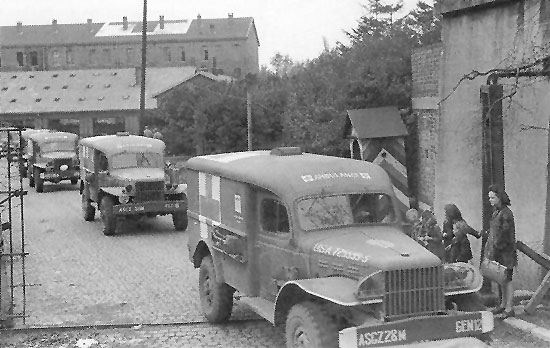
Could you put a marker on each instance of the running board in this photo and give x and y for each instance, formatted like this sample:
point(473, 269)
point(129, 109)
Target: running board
point(262, 307)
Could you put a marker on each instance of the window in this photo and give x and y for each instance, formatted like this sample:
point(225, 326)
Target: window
point(69, 56)
point(214, 62)
point(274, 217)
point(182, 56)
point(107, 56)
point(91, 57)
point(344, 210)
point(129, 55)
point(55, 58)
point(205, 54)
point(34, 58)
point(167, 54)
point(20, 59)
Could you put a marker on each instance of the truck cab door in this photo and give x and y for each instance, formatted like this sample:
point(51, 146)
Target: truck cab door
point(276, 253)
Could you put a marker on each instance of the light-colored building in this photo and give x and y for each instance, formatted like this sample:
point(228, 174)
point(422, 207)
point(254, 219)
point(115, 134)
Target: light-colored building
point(490, 115)
point(87, 102)
point(221, 45)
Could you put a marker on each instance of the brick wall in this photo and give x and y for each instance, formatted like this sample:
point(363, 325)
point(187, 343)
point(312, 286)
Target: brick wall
point(425, 71)
point(425, 92)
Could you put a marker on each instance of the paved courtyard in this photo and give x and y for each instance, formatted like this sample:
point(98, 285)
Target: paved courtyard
point(141, 277)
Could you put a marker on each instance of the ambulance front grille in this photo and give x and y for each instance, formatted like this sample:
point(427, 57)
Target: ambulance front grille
point(412, 292)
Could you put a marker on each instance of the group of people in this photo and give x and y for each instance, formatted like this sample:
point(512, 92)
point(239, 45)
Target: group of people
point(451, 244)
point(147, 132)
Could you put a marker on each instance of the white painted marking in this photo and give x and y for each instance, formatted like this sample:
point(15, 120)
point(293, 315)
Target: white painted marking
point(203, 229)
point(202, 184)
point(216, 188)
point(392, 161)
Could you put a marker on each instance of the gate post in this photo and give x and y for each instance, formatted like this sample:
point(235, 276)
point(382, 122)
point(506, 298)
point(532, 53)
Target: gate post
point(492, 152)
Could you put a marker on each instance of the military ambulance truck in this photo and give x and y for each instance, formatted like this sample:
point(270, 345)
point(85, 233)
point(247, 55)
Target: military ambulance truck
point(315, 243)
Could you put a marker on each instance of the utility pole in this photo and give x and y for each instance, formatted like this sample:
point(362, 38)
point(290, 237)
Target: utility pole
point(249, 118)
point(143, 63)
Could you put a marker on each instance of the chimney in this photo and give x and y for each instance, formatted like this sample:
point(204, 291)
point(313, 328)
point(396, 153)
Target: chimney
point(230, 15)
point(138, 76)
point(161, 22)
point(89, 24)
point(54, 24)
point(20, 27)
point(124, 23)
point(199, 16)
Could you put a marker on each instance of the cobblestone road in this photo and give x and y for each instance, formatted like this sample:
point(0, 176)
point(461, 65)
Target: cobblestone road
point(142, 275)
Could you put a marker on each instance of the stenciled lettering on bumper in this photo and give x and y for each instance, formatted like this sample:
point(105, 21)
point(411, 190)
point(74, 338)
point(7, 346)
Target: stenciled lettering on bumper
point(55, 175)
point(148, 207)
point(417, 329)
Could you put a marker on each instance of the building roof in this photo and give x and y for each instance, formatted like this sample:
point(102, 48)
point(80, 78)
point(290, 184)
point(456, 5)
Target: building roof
point(114, 32)
point(111, 144)
point(199, 74)
point(83, 90)
point(381, 122)
point(292, 176)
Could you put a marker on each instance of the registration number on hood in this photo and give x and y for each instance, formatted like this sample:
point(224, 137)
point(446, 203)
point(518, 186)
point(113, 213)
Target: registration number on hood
point(340, 252)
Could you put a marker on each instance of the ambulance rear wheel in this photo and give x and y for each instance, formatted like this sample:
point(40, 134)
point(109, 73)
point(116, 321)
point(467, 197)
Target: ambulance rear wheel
point(38, 181)
point(88, 210)
point(309, 325)
point(216, 298)
point(30, 176)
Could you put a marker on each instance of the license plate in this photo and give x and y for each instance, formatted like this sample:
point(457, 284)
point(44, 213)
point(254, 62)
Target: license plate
point(130, 209)
point(171, 205)
point(417, 329)
point(49, 175)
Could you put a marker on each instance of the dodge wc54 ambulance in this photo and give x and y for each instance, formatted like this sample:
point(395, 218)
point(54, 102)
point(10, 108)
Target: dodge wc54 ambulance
point(124, 177)
point(315, 243)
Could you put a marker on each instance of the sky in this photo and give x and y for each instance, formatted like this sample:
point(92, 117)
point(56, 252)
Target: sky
point(290, 27)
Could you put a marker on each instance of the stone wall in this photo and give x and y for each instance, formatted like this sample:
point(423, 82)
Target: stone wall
point(425, 93)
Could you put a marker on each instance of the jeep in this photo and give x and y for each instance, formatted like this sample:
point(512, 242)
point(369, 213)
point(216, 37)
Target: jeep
point(124, 176)
point(316, 244)
point(49, 156)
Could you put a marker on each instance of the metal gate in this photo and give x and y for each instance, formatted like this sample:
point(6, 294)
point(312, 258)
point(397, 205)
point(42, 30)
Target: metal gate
point(12, 235)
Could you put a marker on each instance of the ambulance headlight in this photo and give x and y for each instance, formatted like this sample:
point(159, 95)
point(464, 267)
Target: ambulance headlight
point(460, 277)
point(371, 287)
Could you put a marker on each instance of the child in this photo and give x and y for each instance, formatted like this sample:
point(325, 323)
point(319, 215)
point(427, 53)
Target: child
point(430, 235)
point(459, 249)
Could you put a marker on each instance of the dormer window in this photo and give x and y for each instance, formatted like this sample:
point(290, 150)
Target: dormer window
point(107, 85)
point(4, 89)
point(55, 75)
point(65, 87)
point(46, 87)
point(56, 99)
point(38, 100)
point(81, 98)
point(13, 100)
point(23, 88)
point(89, 86)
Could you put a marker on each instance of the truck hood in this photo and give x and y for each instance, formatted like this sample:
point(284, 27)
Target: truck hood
point(59, 155)
point(139, 174)
point(376, 247)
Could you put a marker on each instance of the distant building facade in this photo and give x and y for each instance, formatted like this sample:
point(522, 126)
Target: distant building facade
point(226, 46)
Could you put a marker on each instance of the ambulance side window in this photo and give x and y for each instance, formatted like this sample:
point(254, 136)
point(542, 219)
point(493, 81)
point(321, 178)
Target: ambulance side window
point(274, 217)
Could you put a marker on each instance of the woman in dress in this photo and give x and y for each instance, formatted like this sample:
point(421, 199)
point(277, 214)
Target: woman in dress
point(501, 245)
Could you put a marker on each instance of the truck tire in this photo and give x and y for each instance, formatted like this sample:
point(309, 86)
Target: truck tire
point(74, 181)
point(468, 302)
point(107, 215)
point(180, 220)
point(22, 170)
point(38, 181)
point(216, 298)
point(30, 176)
point(88, 210)
point(308, 325)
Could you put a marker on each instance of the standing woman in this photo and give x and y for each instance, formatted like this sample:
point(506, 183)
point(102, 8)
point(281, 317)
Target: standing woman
point(501, 245)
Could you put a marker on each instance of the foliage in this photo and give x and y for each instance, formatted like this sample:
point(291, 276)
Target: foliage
point(304, 104)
